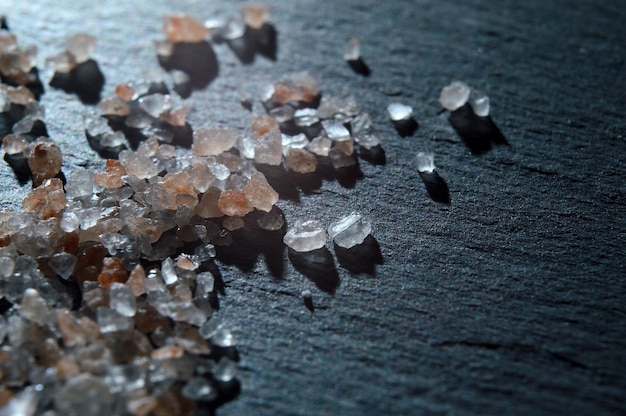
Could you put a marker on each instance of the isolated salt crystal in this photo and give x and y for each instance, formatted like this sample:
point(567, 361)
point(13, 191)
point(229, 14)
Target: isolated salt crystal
point(168, 271)
point(272, 220)
point(399, 112)
point(63, 264)
point(353, 50)
point(306, 236)
point(110, 320)
point(454, 96)
point(122, 299)
point(350, 230)
point(479, 102)
point(335, 131)
point(255, 15)
point(81, 46)
point(155, 104)
point(225, 370)
point(425, 162)
point(198, 388)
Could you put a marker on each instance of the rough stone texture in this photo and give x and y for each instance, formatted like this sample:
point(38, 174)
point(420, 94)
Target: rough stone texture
point(510, 300)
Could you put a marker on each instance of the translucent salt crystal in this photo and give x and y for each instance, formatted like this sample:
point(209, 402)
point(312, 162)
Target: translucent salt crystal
point(125, 91)
point(137, 165)
point(254, 15)
point(398, 111)
point(184, 28)
point(34, 308)
point(217, 332)
point(234, 28)
point(23, 403)
point(81, 46)
point(260, 193)
point(205, 252)
point(35, 110)
point(282, 114)
point(122, 299)
point(79, 183)
point(63, 264)
point(335, 131)
point(110, 320)
point(7, 265)
point(353, 51)
point(24, 126)
point(340, 159)
point(298, 141)
point(213, 141)
point(245, 145)
point(425, 162)
point(204, 284)
point(367, 140)
point(96, 125)
point(113, 139)
point(63, 62)
point(233, 223)
point(138, 120)
point(272, 220)
point(225, 370)
point(454, 96)
point(168, 271)
point(320, 145)
point(155, 104)
point(14, 144)
point(84, 394)
point(268, 148)
point(361, 123)
point(332, 107)
point(305, 117)
point(350, 230)
point(198, 388)
point(70, 222)
point(114, 106)
point(306, 236)
point(300, 160)
point(5, 102)
point(479, 102)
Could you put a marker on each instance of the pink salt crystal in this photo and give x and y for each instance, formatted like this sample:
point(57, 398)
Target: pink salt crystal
point(160, 198)
point(208, 206)
point(63, 62)
point(125, 91)
point(67, 368)
point(176, 117)
point(81, 46)
point(136, 280)
point(70, 327)
point(213, 141)
point(45, 161)
point(234, 203)
point(231, 161)
point(268, 148)
point(185, 263)
point(299, 87)
point(346, 146)
point(261, 124)
point(260, 193)
point(178, 183)
point(233, 223)
point(201, 176)
point(8, 41)
point(255, 15)
point(18, 95)
point(300, 160)
point(113, 270)
point(166, 352)
point(114, 106)
point(184, 28)
point(47, 200)
point(144, 228)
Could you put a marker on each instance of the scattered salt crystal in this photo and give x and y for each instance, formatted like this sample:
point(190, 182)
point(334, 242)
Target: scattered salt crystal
point(155, 104)
point(138, 120)
point(425, 162)
point(367, 140)
point(350, 230)
point(234, 28)
point(168, 271)
point(398, 111)
point(63, 264)
point(479, 102)
point(122, 299)
point(298, 141)
point(217, 332)
point(300, 160)
point(81, 46)
point(306, 236)
point(25, 125)
point(353, 51)
point(198, 388)
point(282, 114)
point(114, 106)
point(84, 394)
point(7, 265)
point(35, 110)
point(14, 144)
point(225, 370)
point(79, 183)
point(254, 15)
point(113, 139)
point(63, 62)
point(184, 28)
point(70, 221)
point(454, 96)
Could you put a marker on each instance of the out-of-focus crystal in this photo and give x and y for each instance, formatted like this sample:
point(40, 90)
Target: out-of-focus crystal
point(84, 394)
point(45, 161)
point(254, 15)
point(122, 299)
point(199, 388)
point(399, 112)
point(353, 50)
point(63, 264)
point(213, 141)
point(454, 96)
point(225, 370)
point(184, 28)
point(110, 320)
point(300, 160)
point(81, 46)
point(350, 230)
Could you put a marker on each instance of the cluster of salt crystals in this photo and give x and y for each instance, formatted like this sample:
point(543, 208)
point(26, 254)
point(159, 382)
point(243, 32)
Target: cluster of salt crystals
point(346, 232)
point(16, 63)
point(457, 94)
point(78, 49)
point(73, 354)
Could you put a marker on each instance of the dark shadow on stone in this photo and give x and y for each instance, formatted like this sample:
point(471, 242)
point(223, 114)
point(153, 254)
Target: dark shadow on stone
point(38, 130)
point(85, 80)
point(183, 89)
point(436, 187)
point(478, 133)
point(362, 258)
point(242, 49)
point(406, 127)
point(360, 67)
point(264, 40)
point(375, 155)
point(196, 59)
point(34, 83)
point(280, 181)
point(318, 266)
point(104, 152)
point(349, 176)
point(3, 23)
point(19, 164)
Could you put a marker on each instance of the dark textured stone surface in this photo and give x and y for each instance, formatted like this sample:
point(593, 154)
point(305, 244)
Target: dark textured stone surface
point(510, 300)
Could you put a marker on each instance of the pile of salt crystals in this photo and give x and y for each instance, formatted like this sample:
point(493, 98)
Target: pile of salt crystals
point(78, 49)
point(457, 94)
point(16, 63)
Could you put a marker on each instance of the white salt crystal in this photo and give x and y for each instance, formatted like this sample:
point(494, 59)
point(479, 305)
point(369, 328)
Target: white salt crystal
point(70, 221)
point(34, 307)
point(122, 299)
point(79, 183)
point(282, 114)
point(398, 111)
point(216, 331)
point(480, 103)
point(96, 125)
point(234, 28)
point(367, 140)
point(24, 126)
point(113, 139)
point(299, 141)
point(225, 370)
point(204, 284)
point(350, 230)
point(168, 271)
point(155, 104)
point(320, 145)
point(353, 51)
point(110, 320)
point(7, 265)
point(63, 264)
point(306, 236)
point(335, 131)
point(361, 123)
point(425, 162)
point(305, 117)
point(454, 96)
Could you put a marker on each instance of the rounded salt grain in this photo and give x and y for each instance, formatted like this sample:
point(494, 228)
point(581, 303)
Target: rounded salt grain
point(454, 96)
point(480, 103)
point(425, 162)
point(398, 111)
point(306, 236)
point(350, 230)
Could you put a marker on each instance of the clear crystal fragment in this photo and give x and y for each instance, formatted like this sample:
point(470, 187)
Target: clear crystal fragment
point(454, 96)
point(399, 112)
point(479, 102)
point(306, 236)
point(122, 299)
point(425, 162)
point(63, 264)
point(199, 388)
point(350, 230)
point(225, 370)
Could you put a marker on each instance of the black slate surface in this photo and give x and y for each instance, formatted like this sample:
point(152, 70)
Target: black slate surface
point(509, 300)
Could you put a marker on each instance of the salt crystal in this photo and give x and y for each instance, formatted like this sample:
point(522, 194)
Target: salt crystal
point(255, 15)
point(34, 308)
point(454, 96)
point(306, 236)
point(350, 230)
point(96, 125)
point(70, 221)
point(213, 141)
point(320, 145)
point(114, 106)
point(300, 160)
point(25, 125)
point(140, 166)
point(14, 144)
point(81, 46)
point(125, 91)
point(425, 162)
point(399, 112)
point(79, 183)
point(233, 223)
point(138, 120)
point(122, 299)
point(45, 161)
point(340, 159)
point(361, 123)
point(7, 265)
point(84, 394)
point(335, 131)
point(184, 28)
point(35, 110)
point(234, 203)
point(299, 141)
point(204, 284)
point(272, 220)
point(216, 331)
point(260, 193)
point(110, 320)
point(198, 388)
point(282, 114)
point(113, 139)
point(367, 140)
point(23, 403)
point(353, 51)
point(225, 370)
point(306, 117)
point(168, 271)
point(479, 102)
point(268, 148)
point(234, 28)
point(63, 264)
point(136, 280)
point(155, 104)
point(63, 62)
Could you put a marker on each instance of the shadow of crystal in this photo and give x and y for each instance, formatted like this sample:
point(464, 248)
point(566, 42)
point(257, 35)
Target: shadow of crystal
point(196, 59)
point(362, 258)
point(86, 80)
point(436, 187)
point(478, 133)
point(318, 266)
